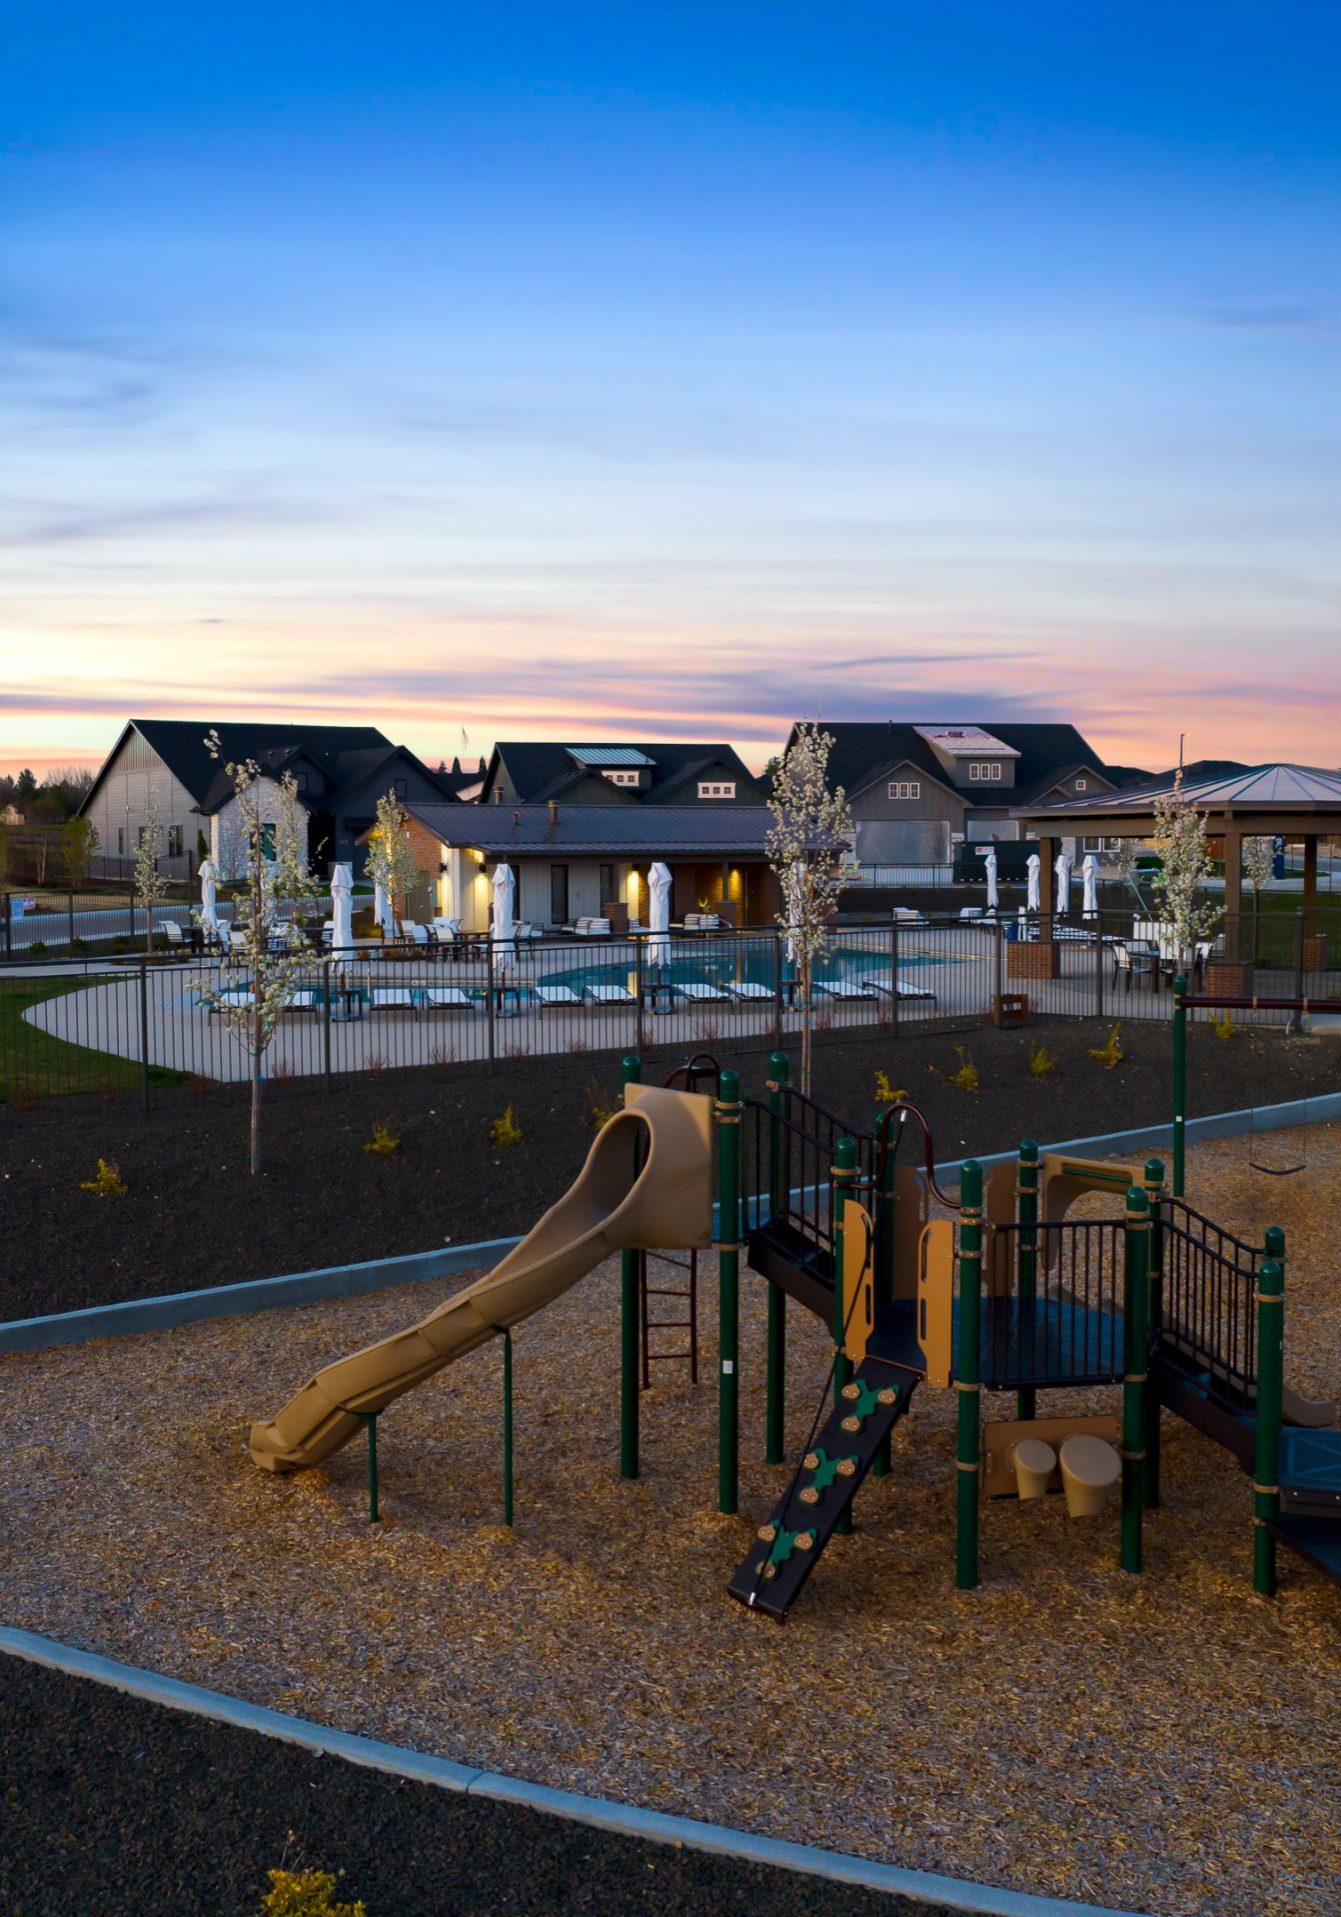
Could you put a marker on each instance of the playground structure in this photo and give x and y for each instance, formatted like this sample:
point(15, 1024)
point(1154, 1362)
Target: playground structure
point(1007, 1294)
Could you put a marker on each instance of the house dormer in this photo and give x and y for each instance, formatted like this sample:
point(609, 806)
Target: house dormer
point(971, 757)
point(622, 766)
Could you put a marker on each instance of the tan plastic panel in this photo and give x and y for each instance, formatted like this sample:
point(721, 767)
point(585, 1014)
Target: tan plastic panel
point(936, 1299)
point(613, 1205)
point(858, 1279)
point(910, 1214)
point(998, 1475)
point(1062, 1179)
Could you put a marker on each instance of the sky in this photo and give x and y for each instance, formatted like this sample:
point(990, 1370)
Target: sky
point(672, 370)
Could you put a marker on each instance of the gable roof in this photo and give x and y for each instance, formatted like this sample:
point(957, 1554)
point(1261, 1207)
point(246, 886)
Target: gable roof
point(544, 769)
point(616, 831)
point(862, 747)
point(1223, 786)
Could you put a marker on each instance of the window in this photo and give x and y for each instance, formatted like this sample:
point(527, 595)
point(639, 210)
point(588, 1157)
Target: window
point(121, 841)
point(558, 895)
point(716, 788)
point(1082, 785)
point(400, 788)
point(905, 788)
point(175, 846)
point(607, 886)
point(625, 778)
point(982, 771)
point(267, 841)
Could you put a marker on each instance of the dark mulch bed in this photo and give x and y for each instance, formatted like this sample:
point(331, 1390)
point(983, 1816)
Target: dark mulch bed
point(110, 1804)
point(193, 1216)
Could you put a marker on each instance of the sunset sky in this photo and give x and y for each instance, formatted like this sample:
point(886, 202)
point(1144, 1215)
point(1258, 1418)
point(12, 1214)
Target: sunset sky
point(673, 370)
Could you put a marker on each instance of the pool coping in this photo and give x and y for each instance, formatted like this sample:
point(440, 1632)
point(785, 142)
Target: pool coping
point(938, 1893)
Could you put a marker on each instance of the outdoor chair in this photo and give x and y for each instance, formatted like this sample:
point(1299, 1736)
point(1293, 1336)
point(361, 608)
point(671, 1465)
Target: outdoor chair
point(748, 992)
point(525, 930)
point(706, 994)
point(393, 998)
point(305, 999)
point(447, 998)
point(882, 988)
point(554, 997)
point(608, 995)
point(234, 1000)
point(592, 929)
point(1133, 961)
point(844, 990)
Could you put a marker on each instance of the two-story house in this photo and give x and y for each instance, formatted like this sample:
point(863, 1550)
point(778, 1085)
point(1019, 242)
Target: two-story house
point(522, 773)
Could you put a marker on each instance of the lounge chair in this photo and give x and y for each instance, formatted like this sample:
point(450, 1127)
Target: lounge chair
point(703, 922)
point(705, 994)
point(552, 997)
point(592, 929)
point(883, 989)
point(305, 999)
point(392, 998)
point(844, 990)
point(445, 934)
point(525, 930)
point(608, 995)
point(447, 998)
point(1128, 961)
point(415, 933)
point(172, 932)
point(748, 992)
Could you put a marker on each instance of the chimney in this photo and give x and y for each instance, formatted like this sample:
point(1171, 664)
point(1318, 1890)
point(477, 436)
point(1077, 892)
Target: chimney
point(553, 813)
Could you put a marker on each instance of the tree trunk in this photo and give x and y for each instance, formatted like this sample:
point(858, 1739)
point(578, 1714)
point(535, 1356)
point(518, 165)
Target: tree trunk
point(255, 1114)
point(806, 969)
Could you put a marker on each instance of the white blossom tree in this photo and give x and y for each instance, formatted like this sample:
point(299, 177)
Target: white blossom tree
point(151, 885)
point(1180, 842)
point(808, 840)
point(391, 860)
point(275, 870)
point(1259, 863)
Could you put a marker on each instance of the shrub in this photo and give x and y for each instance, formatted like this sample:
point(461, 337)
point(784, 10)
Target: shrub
point(78, 947)
point(601, 1113)
point(1041, 1061)
point(120, 943)
point(966, 1078)
point(108, 1090)
point(38, 949)
point(306, 1893)
point(107, 1183)
point(505, 1130)
point(1111, 1053)
point(1223, 1027)
point(381, 1144)
point(885, 1093)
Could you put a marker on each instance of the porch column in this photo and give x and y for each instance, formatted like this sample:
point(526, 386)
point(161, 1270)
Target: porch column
point(1234, 891)
point(1047, 877)
point(1310, 881)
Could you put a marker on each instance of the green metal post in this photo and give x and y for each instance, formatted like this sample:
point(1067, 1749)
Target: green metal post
point(968, 1377)
point(728, 1115)
point(630, 1265)
point(1136, 1355)
point(1026, 1248)
point(1179, 1084)
point(775, 1402)
point(1154, 1191)
point(844, 1171)
point(507, 1428)
point(1270, 1379)
point(370, 1422)
point(884, 1256)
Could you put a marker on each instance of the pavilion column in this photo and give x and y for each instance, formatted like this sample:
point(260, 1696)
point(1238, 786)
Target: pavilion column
point(1310, 881)
point(1234, 943)
point(1047, 876)
point(1037, 959)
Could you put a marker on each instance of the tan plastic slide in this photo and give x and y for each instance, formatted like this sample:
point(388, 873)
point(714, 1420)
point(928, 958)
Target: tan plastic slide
point(615, 1204)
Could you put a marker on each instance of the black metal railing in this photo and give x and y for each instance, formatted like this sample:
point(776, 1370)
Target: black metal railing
point(1063, 1325)
point(1207, 1320)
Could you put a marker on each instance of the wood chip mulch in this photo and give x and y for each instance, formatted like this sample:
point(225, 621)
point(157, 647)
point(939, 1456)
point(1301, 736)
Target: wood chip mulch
point(1166, 1743)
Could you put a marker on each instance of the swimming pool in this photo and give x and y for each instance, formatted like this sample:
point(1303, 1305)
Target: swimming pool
point(753, 966)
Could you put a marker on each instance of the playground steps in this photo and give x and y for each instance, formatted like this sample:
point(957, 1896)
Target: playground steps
point(1316, 1539)
point(1309, 1470)
point(786, 1549)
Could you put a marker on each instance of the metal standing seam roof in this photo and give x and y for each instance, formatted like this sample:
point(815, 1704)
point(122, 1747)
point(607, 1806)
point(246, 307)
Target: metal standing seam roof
point(614, 830)
point(1250, 788)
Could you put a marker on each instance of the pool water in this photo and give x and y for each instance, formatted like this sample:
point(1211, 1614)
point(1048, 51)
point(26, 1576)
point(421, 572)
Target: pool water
point(754, 967)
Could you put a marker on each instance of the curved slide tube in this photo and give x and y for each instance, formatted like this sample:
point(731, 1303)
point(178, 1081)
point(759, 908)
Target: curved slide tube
point(615, 1204)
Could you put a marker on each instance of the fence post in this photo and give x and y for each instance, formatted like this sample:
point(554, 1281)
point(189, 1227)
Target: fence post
point(1270, 1376)
point(328, 965)
point(1099, 964)
point(630, 1072)
point(727, 1113)
point(144, 1028)
point(70, 898)
point(9, 926)
point(639, 983)
point(968, 1382)
point(490, 1007)
point(1154, 1191)
point(777, 991)
point(1136, 1360)
point(1026, 1256)
point(844, 1175)
point(775, 1398)
point(894, 979)
point(998, 963)
point(1179, 1083)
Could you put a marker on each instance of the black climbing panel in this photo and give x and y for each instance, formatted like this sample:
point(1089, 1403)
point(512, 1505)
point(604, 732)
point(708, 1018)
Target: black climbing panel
point(786, 1548)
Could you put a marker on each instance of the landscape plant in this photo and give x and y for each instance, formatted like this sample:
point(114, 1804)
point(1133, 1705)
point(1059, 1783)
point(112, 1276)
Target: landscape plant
point(505, 1131)
point(1180, 842)
point(391, 860)
point(1109, 1054)
point(79, 841)
point(1041, 1061)
point(106, 1181)
point(307, 1893)
point(885, 1093)
point(382, 1143)
point(151, 885)
point(809, 835)
point(1259, 862)
point(274, 965)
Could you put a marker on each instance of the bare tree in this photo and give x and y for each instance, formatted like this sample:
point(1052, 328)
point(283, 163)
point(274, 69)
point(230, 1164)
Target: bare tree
point(275, 870)
point(807, 842)
point(151, 885)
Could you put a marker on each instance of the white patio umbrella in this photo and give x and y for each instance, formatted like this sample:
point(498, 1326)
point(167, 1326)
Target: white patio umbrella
point(1032, 898)
point(1063, 870)
point(342, 908)
point(382, 910)
point(1089, 873)
point(209, 899)
point(659, 945)
point(504, 927)
point(989, 873)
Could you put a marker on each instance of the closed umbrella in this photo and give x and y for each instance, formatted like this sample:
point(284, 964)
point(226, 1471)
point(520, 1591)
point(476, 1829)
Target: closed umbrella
point(342, 908)
point(989, 870)
point(1089, 873)
point(659, 945)
point(1063, 871)
point(1032, 897)
point(209, 899)
point(504, 924)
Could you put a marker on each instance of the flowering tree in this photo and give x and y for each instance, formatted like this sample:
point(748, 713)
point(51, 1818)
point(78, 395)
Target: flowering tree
point(391, 860)
point(275, 870)
point(1259, 862)
point(807, 841)
point(151, 885)
point(1180, 841)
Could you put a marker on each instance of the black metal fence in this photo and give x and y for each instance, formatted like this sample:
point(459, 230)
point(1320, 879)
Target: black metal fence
point(1066, 1328)
point(1208, 1312)
point(85, 1023)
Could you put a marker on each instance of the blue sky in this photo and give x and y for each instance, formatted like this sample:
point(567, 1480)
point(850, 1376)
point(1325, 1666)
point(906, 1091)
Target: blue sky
point(577, 371)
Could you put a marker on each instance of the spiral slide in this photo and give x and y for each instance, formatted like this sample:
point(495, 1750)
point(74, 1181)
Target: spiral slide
point(647, 1184)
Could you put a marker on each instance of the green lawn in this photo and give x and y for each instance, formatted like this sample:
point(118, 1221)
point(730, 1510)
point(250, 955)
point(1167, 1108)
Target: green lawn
point(35, 1065)
point(1278, 926)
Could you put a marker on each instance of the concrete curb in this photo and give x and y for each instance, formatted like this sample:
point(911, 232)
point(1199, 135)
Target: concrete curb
point(167, 1310)
point(925, 1887)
